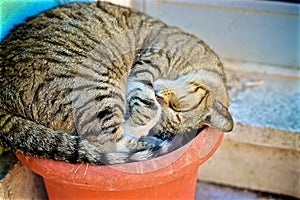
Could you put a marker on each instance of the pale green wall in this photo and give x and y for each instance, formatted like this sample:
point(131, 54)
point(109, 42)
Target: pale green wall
point(264, 32)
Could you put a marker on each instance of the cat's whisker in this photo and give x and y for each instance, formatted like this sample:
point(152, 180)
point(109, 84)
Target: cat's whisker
point(76, 171)
point(86, 169)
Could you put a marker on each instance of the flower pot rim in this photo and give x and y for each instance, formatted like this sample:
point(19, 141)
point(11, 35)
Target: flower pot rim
point(129, 175)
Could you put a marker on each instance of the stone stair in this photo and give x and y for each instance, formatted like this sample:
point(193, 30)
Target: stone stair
point(263, 150)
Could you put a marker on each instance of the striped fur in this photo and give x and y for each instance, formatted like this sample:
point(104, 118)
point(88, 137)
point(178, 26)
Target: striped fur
point(104, 84)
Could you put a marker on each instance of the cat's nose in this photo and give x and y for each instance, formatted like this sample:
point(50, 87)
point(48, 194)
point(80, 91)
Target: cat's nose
point(159, 98)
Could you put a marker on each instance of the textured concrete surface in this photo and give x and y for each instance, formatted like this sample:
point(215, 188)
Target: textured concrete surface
point(263, 150)
point(210, 191)
point(21, 183)
point(264, 96)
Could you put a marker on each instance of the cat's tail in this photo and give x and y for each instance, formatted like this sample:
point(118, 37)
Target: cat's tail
point(18, 134)
point(28, 137)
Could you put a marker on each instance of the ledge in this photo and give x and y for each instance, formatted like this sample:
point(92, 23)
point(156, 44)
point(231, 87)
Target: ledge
point(263, 104)
point(263, 150)
point(21, 183)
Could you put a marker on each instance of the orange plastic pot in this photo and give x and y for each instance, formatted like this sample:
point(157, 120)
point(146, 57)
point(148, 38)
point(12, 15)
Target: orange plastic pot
point(172, 176)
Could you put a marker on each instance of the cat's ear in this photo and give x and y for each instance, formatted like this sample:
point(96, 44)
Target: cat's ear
point(218, 117)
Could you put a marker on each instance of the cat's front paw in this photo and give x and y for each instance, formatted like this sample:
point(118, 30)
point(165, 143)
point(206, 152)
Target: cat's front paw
point(142, 110)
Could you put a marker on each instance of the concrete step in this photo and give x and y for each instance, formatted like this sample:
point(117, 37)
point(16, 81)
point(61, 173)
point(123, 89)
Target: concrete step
point(20, 183)
point(211, 191)
point(263, 150)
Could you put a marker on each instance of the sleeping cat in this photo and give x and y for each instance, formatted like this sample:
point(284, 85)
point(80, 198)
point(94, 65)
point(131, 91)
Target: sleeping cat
point(104, 84)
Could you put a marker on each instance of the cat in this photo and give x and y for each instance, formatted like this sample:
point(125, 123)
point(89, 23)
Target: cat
point(105, 84)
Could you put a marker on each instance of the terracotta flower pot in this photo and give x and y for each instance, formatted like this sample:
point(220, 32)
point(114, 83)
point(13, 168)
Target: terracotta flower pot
point(172, 176)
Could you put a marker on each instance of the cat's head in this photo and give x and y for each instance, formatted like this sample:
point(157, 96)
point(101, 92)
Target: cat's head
point(195, 99)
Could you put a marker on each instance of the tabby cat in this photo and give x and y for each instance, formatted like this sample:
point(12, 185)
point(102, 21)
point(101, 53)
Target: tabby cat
point(104, 84)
